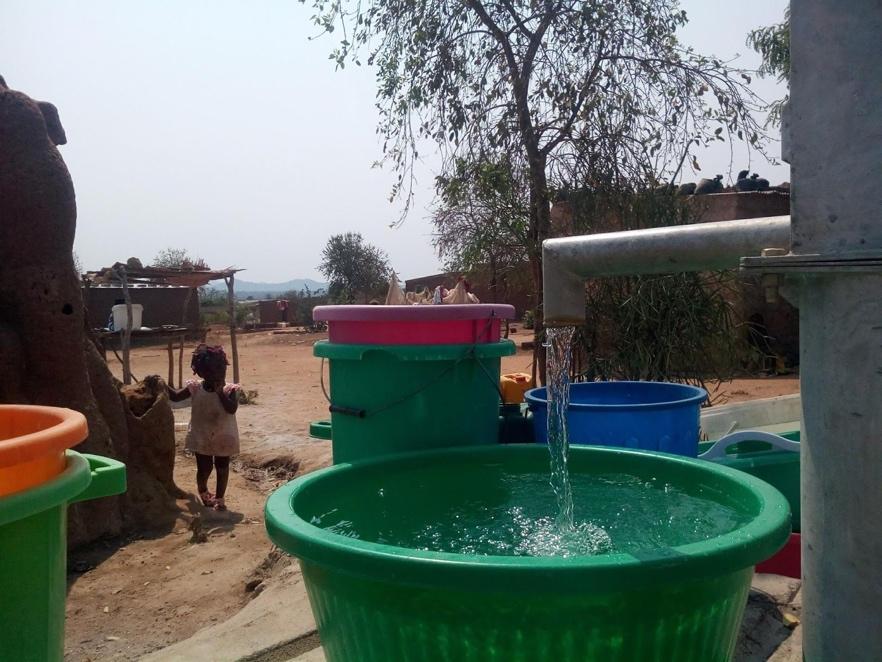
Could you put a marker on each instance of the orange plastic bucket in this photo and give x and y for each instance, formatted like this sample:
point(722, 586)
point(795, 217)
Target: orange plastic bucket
point(33, 440)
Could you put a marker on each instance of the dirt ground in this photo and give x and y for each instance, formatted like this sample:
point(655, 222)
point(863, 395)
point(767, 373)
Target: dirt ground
point(129, 597)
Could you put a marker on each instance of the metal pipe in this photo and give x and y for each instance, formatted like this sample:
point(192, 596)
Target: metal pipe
point(569, 261)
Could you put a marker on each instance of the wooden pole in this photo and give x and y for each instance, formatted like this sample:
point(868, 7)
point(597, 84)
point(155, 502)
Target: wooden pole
point(171, 363)
point(187, 300)
point(187, 305)
point(231, 300)
point(126, 339)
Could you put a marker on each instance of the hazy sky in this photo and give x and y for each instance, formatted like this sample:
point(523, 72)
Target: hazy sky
point(219, 127)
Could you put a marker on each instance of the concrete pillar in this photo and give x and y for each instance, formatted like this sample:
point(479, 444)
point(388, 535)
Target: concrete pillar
point(841, 382)
point(834, 145)
point(835, 127)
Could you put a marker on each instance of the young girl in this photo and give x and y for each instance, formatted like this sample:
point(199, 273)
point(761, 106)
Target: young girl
point(213, 434)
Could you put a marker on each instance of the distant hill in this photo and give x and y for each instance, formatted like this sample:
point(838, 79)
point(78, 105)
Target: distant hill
point(257, 290)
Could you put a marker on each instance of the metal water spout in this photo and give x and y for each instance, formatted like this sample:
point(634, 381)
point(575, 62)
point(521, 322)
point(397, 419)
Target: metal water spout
point(568, 262)
point(833, 140)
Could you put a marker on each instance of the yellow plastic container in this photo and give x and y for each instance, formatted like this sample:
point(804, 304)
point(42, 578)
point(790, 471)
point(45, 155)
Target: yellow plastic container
point(514, 385)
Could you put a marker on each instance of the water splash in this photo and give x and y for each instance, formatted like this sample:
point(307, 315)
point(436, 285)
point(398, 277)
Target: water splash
point(559, 355)
point(614, 513)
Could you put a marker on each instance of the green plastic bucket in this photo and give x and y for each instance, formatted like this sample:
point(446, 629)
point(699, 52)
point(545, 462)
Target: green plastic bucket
point(378, 602)
point(770, 457)
point(33, 555)
point(381, 394)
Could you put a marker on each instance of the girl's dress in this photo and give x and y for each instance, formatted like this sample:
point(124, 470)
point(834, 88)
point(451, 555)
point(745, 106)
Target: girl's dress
point(212, 430)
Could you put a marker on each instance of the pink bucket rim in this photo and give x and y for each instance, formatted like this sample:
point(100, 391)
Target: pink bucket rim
point(443, 312)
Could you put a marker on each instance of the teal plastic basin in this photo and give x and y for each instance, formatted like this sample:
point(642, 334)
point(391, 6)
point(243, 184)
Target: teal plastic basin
point(382, 395)
point(375, 601)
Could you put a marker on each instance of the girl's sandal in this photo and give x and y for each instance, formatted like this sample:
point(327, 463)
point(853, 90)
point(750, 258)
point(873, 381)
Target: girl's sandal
point(219, 504)
point(207, 499)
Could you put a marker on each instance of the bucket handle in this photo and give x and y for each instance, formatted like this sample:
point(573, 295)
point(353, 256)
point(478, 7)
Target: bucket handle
point(108, 478)
point(721, 445)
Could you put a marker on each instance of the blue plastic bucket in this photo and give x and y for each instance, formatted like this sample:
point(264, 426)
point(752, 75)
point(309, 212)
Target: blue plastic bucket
point(653, 416)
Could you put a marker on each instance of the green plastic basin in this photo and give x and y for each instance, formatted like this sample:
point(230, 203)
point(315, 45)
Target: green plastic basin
point(33, 556)
point(381, 394)
point(374, 601)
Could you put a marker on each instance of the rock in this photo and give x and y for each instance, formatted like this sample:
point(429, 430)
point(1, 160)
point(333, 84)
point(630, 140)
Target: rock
point(47, 357)
point(196, 526)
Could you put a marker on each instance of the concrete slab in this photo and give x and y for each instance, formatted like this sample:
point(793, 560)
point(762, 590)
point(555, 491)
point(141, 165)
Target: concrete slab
point(766, 634)
point(781, 590)
point(278, 619)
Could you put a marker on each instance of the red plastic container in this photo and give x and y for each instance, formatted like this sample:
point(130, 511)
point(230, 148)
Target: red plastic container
point(787, 562)
point(414, 325)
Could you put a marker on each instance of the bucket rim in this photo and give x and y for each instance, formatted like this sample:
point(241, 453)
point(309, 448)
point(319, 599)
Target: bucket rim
point(692, 395)
point(410, 313)
point(736, 550)
point(59, 491)
point(65, 428)
point(339, 351)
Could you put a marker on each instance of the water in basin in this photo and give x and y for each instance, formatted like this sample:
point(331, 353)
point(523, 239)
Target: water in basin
point(486, 510)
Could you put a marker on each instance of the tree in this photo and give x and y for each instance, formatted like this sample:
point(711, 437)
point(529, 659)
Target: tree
point(178, 258)
point(482, 218)
point(355, 269)
point(301, 304)
point(556, 83)
point(773, 44)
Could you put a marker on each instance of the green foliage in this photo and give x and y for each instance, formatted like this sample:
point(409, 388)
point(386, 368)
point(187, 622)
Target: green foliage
point(673, 327)
point(301, 303)
point(551, 82)
point(78, 265)
point(221, 315)
point(482, 217)
point(212, 297)
point(178, 258)
point(355, 269)
point(529, 321)
point(773, 44)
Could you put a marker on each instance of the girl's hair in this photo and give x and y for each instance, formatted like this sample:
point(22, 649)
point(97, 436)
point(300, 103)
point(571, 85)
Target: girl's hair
point(207, 355)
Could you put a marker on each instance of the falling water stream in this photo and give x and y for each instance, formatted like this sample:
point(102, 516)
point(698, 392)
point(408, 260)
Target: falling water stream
point(559, 355)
